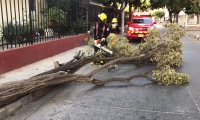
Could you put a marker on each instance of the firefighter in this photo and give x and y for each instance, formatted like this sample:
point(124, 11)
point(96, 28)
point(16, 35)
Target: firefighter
point(114, 28)
point(101, 32)
point(114, 31)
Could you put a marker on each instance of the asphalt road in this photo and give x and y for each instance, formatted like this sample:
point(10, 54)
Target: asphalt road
point(140, 100)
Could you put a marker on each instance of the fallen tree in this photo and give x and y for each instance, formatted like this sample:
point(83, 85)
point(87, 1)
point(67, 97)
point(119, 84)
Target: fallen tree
point(164, 52)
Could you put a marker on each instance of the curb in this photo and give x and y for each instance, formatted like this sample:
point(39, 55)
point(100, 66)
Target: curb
point(191, 29)
point(11, 108)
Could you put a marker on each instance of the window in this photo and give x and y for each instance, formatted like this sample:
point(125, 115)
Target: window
point(142, 20)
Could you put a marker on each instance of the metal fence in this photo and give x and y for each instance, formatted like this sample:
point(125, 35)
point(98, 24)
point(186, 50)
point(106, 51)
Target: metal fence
point(26, 22)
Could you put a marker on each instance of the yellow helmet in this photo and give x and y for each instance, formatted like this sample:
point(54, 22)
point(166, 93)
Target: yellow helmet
point(102, 16)
point(114, 20)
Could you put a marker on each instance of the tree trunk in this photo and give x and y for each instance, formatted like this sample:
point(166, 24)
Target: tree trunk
point(130, 11)
point(170, 16)
point(117, 15)
point(176, 15)
point(14, 90)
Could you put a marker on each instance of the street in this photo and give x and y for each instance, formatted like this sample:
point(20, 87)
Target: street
point(139, 100)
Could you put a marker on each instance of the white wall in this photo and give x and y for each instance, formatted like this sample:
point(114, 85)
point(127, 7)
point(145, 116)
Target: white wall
point(17, 10)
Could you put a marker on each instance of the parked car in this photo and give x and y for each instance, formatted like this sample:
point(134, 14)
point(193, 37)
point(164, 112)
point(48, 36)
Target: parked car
point(138, 26)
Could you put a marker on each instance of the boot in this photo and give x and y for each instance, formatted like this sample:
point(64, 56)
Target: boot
point(96, 62)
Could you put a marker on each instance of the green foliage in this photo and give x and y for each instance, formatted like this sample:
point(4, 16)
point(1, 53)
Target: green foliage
point(15, 32)
point(165, 59)
point(169, 76)
point(157, 3)
point(169, 57)
point(126, 18)
point(159, 13)
point(172, 5)
point(172, 54)
point(89, 42)
point(62, 4)
point(57, 15)
point(109, 2)
point(193, 7)
point(79, 25)
point(122, 49)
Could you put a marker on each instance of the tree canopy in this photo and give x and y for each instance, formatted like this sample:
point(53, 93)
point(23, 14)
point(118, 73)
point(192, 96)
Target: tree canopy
point(193, 7)
point(117, 5)
point(158, 13)
point(173, 6)
point(164, 52)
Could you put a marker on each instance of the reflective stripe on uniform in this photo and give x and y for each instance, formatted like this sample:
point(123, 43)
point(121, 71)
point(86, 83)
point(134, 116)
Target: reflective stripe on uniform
point(103, 30)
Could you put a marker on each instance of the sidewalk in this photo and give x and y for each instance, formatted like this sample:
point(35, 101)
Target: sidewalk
point(38, 67)
point(191, 29)
point(31, 70)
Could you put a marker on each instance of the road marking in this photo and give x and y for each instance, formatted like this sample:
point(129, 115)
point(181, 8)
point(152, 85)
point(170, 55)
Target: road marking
point(193, 98)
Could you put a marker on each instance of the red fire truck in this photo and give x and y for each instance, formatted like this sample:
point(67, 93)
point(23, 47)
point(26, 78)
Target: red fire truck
point(138, 26)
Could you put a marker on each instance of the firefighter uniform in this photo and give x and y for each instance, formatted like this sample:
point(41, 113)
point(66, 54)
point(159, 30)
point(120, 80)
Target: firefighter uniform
point(100, 32)
point(114, 30)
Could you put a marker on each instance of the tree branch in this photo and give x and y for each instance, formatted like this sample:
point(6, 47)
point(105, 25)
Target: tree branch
point(125, 4)
point(15, 89)
point(140, 57)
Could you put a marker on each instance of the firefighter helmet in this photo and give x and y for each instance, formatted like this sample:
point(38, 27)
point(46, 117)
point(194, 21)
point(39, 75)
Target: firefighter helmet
point(102, 16)
point(114, 20)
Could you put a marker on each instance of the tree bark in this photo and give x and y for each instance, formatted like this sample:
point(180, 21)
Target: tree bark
point(170, 16)
point(130, 11)
point(14, 90)
point(176, 17)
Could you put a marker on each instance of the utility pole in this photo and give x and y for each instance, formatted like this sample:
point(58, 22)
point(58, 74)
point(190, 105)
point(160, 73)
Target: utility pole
point(122, 22)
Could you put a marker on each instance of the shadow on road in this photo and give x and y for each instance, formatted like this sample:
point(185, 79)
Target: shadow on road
point(135, 41)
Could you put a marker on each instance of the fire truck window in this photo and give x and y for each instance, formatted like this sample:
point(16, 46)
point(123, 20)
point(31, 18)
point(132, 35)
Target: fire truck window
point(142, 20)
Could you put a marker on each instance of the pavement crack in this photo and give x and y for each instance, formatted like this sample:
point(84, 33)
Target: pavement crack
point(191, 95)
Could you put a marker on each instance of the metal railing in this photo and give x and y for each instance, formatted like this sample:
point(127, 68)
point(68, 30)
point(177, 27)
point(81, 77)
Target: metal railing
point(26, 22)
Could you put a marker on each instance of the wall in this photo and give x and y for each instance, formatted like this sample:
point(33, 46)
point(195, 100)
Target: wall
point(182, 20)
point(17, 11)
point(18, 57)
